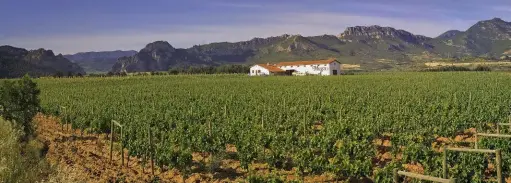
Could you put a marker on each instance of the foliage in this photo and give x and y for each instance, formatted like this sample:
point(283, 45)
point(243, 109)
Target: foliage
point(20, 103)
point(222, 69)
point(311, 124)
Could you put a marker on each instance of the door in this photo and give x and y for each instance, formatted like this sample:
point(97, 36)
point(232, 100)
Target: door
point(334, 72)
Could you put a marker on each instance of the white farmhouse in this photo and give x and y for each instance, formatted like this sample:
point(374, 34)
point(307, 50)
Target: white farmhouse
point(316, 67)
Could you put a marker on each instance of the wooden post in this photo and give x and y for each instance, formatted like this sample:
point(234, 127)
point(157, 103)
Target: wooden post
point(122, 149)
point(475, 146)
point(396, 176)
point(498, 157)
point(128, 160)
point(151, 150)
point(509, 121)
point(111, 140)
point(444, 164)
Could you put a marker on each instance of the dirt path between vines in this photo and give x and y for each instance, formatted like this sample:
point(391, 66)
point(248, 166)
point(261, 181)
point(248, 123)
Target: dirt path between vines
point(87, 158)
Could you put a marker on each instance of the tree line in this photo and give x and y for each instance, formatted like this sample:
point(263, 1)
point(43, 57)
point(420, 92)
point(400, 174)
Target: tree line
point(221, 69)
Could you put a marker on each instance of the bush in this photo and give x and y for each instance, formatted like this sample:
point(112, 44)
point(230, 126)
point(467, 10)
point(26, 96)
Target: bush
point(482, 68)
point(448, 68)
point(458, 68)
point(20, 103)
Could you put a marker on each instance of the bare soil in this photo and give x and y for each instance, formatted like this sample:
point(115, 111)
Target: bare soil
point(87, 158)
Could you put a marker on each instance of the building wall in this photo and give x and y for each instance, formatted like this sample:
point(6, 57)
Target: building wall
point(257, 70)
point(316, 69)
point(335, 66)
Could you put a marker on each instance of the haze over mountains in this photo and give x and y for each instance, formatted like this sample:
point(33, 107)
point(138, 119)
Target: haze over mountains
point(98, 61)
point(372, 47)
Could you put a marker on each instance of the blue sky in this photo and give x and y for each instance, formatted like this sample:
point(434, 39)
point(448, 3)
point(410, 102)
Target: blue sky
point(69, 26)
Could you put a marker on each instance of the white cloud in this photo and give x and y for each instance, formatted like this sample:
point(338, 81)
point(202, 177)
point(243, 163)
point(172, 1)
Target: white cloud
point(306, 24)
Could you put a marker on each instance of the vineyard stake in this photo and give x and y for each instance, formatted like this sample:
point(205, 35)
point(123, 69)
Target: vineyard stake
point(444, 164)
point(475, 146)
point(420, 177)
point(490, 135)
point(111, 140)
point(498, 158)
point(122, 149)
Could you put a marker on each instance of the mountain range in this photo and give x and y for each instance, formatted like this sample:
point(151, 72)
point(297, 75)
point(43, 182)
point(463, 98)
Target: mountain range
point(16, 62)
point(371, 47)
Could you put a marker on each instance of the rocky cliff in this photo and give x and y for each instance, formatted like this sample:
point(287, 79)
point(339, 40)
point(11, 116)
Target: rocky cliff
point(15, 62)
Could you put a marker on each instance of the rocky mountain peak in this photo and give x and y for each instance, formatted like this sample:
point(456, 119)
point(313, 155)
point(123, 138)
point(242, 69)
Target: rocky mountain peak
point(494, 29)
point(449, 34)
point(40, 54)
point(377, 32)
point(158, 46)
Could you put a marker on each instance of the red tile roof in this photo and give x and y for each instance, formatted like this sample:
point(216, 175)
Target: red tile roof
point(312, 62)
point(271, 68)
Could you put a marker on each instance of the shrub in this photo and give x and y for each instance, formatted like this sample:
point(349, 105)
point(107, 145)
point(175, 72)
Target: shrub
point(20, 103)
point(482, 68)
point(449, 68)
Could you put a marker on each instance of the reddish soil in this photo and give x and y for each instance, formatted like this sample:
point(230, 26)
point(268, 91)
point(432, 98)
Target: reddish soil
point(87, 158)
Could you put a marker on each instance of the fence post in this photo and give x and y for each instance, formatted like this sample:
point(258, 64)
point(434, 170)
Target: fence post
point(498, 158)
point(498, 128)
point(396, 176)
point(475, 146)
point(444, 164)
point(111, 140)
point(122, 148)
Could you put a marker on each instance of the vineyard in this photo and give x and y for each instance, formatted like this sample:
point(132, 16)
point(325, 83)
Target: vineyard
point(350, 127)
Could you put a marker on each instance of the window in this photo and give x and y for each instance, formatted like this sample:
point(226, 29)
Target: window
point(334, 72)
point(325, 65)
point(258, 71)
point(252, 71)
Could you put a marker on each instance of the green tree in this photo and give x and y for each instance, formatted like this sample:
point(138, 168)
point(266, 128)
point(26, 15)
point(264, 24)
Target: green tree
point(20, 103)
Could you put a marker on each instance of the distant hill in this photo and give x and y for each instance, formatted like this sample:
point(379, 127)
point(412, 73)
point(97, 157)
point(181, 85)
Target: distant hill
point(16, 62)
point(98, 61)
point(489, 38)
point(371, 47)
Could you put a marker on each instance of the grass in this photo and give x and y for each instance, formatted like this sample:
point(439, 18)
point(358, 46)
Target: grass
point(22, 162)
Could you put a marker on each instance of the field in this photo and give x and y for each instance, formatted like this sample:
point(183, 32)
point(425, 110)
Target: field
point(345, 127)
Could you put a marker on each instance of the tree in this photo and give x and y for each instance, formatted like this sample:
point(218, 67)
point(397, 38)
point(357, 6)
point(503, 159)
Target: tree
point(58, 74)
point(20, 103)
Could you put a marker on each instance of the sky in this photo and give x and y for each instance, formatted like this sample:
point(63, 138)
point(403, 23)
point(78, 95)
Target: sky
point(70, 26)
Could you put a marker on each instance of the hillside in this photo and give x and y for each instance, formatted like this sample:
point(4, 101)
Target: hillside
point(98, 61)
point(371, 47)
point(16, 62)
